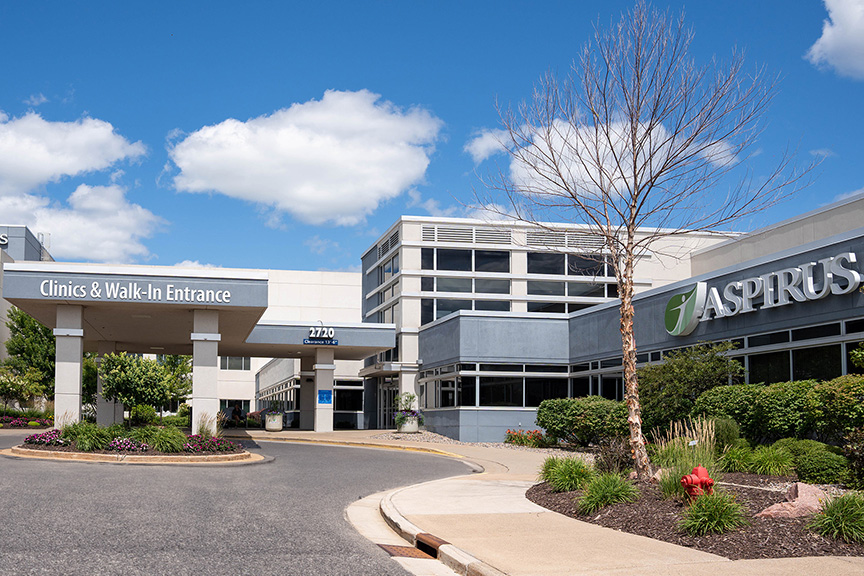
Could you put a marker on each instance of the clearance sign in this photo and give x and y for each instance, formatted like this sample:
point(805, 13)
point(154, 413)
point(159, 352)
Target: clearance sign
point(802, 283)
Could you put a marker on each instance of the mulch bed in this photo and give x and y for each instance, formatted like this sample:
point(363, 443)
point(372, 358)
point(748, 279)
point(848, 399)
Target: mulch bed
point(116, 453)
point(654, 517)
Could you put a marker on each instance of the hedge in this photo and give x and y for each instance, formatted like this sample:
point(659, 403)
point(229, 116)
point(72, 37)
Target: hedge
point(582, 420)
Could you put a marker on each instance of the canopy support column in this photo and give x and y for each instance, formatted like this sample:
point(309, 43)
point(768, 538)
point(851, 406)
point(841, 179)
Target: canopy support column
point(67, 370)
point(205, 369)
point(324, 367)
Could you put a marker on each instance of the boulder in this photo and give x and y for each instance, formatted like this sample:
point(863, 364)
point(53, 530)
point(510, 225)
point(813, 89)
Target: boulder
point(801, 500)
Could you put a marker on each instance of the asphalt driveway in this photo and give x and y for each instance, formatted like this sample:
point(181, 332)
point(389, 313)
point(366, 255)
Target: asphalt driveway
point(283, 517)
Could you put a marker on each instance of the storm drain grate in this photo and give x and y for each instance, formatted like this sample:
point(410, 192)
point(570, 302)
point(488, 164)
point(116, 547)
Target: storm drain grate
point(404, 551)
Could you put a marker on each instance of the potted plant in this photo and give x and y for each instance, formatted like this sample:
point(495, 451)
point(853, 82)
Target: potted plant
point(273, 419)
point(408, 418)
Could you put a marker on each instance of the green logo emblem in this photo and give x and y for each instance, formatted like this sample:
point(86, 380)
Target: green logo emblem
point(684, 310)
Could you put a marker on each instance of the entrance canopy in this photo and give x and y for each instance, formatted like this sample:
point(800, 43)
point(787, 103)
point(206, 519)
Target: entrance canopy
point(205, 313)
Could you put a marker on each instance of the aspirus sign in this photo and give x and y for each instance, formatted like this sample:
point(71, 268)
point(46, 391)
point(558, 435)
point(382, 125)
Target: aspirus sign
point(4, 239)
point(802, 283)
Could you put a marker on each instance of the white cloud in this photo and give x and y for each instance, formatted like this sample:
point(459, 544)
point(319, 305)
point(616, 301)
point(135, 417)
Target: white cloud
point(491, 213)
point(847, 195)
point(430, 205)
point(329, 160)
point(485, 143)
point(841, 45)
point(98, 224)
point(318, 245)
point(822, 152)
point(194, 264)
point(36, 100)
point(34, 151)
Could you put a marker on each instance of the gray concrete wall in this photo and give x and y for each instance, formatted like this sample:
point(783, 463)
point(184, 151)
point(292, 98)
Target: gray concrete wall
point(486, 337)
point(22, 245)
point(479, 424)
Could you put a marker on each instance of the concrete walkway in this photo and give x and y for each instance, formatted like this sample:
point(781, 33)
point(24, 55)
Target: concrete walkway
point(490, 528)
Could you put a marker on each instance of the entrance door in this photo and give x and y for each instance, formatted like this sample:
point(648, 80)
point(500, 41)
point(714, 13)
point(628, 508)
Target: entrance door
point(387, 391)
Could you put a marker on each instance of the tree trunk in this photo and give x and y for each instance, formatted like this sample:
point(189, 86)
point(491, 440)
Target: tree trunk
point(641, 463)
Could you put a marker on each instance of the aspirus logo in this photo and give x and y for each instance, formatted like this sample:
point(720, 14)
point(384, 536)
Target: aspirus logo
point(683, 311)
point(4, 239)
point(803, 283)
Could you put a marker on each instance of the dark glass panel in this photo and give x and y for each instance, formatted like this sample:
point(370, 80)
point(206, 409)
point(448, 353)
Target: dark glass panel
point(769, 368)
point(500, 391)
point(820, 363)
point(491, 261)
point(539, 389)
point(492, 305)
point(450, 259)
point(545, 263)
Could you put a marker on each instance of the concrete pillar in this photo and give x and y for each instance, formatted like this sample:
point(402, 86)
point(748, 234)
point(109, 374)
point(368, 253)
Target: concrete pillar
point(205, 368)
point(107, 411)
point(408, 383)
point(307, 393)
point(325, 366)
point(68, 371)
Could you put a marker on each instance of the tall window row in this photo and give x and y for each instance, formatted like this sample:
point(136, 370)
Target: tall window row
point(433, 308)
point(458, 260)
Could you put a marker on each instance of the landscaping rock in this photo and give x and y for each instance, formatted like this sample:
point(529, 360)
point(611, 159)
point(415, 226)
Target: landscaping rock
point(801, 500)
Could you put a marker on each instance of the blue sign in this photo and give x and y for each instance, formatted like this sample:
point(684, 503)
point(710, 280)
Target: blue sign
point(321, 342)
point(325, 397)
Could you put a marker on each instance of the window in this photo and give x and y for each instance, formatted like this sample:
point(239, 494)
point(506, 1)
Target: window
point(491, 261)
point(501, 367)
point(545, 368)
point(235, 362)
point(487, 286)
point(449, 259)
point(612, 290)
point(612, 387)
point(427, 284)
point(549, 307)
point(539, 389)
point(581, 386)
point(585, 265)
point(500, 391)
point(816, 332)
point(767, 339)
point(467, 391)
point(576, 307)
point(447, 394)
point(454, 284)
point(545, 263)
point(546, 288)
point(820, 363)
point(769, 368)
point(427, 258)
point(427, 311)
point(492, 305)
point(348, 400)
point(585, 289)
point(447, 306)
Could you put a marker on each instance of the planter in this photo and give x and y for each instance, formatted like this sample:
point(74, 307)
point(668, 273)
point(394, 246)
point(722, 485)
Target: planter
point(273, 422)
point(410, 425)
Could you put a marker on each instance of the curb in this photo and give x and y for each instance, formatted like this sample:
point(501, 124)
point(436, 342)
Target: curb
point(241, 458)
point(356, 445)
point(454, 558)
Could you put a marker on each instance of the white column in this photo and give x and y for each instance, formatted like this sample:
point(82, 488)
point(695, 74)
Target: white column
point(107, 411)
point(67, 371)
point(307, 393)
point(205, 367)
point(408, 383)
point(324, 368)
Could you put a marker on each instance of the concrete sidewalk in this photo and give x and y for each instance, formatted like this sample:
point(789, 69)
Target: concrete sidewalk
point(489, 527)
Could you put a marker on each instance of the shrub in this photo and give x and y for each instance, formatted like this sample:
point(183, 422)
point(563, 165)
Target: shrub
point(582, 420)
point(800, 447)
point(838, 406)
point(712, 513)
point(822, 467)
point(736, 402)
point(184, 411)
point(771, 461)
point(177, 421)
point(145, 434)
point(604, 490)
point(726, 433)
point(737, 459)
point(88, 436)
point(667, 391)
point(142, 415)
point(783, 409)
point(569, 474)
point(841, 517)
point(530, 438)
point(34, 423)
point(683, 447)
point(853, 448)
point(168, 439)
point(614, 456)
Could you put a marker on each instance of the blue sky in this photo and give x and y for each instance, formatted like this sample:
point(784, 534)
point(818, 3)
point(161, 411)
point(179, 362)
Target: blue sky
point(291, 134)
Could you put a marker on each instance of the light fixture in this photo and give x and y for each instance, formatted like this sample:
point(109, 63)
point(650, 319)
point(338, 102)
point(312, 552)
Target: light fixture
point(157, 347)
point(141, 316)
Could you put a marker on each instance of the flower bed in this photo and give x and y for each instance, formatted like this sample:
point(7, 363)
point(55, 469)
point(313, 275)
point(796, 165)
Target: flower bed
point(55, 440)
point(24, 422)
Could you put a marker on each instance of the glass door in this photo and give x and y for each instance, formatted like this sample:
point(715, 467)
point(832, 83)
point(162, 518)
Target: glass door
point(387, 391)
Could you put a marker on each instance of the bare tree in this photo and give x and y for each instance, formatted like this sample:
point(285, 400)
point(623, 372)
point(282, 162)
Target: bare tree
point(640, 144)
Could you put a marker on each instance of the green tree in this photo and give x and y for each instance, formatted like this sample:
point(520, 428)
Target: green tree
point(133, 380)
point(669, 390)
point(89, 381)
point(20, 387)
point(178, 369)
point(31, 347)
